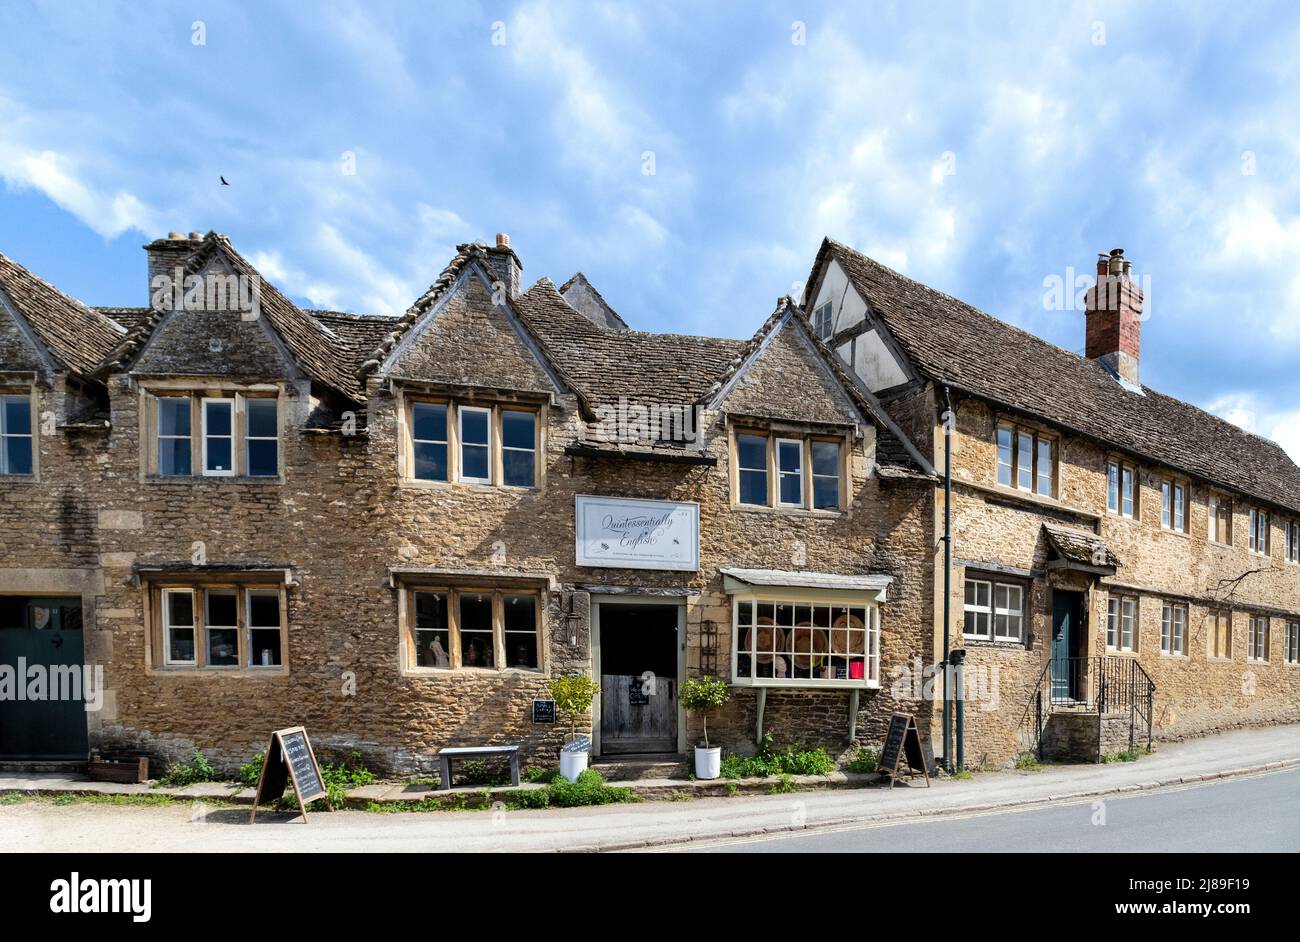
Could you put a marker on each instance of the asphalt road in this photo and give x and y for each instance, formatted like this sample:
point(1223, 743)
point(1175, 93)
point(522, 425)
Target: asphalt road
point(1257, 813)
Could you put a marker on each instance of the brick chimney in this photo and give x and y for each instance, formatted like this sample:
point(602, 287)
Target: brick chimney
point(166, 255)
point(505, 264)
point(1113, 316)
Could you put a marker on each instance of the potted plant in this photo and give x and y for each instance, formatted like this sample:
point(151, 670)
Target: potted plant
point(703, 695)
point(573, 695)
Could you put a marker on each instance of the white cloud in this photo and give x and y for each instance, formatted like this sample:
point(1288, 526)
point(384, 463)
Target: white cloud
point(1247, 410)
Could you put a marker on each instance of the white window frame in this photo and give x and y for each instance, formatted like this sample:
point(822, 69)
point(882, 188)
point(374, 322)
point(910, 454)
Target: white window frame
point(981, 612)
point(168, 627)
point(1125, 503)
point(229, 403)
point(1018, 467)
point(824, 314)
point(994, 614)
point(1173, 505)
point(868, 607)
point(1260, 531)
point(1009, 448)
point(462, 444)
point(798, 444)
point(1257, 630)
point(1122, 623)
point(5, 435)
point(511, 448)
point(1292, 531)
point(1291, 643)
point(250, 628)
point(1173, 629)
point(250, 437)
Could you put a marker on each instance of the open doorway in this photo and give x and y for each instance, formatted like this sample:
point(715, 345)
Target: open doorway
point(639, 664)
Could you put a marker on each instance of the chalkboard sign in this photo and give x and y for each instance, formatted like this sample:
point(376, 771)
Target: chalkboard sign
point(543, 711)
point(636, 693)
point(903, 743)
point(289, 761)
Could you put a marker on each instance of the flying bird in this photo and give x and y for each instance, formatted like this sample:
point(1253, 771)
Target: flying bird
point(223, 182)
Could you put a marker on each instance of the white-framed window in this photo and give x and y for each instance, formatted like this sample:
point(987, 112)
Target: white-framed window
point(805, 642)
point(1292, 645)
point(16, 439)
point(1173, 506)
point(261, 437)
point(474, 628)
point(475, 444)
point(218, 424)
point(1259, 531)
point(808, 471)
point(1120, 482)
point(824, 322)
point(994, 611)
point(1220, 624)
point(1257, 639)
point(1292, 528)
point(518, 447)
point(265, 627)
point(1173, 629)
point(178, 627)
point(429, 441)
point(1026, 460)
point(1220, 519)
point(221, 627)
point(789, 472)
point(1121, 623)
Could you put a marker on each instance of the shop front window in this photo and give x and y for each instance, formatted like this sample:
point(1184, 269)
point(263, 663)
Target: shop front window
point(806, 643)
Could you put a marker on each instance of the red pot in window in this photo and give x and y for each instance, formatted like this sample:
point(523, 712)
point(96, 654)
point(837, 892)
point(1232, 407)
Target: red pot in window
point(857, 670)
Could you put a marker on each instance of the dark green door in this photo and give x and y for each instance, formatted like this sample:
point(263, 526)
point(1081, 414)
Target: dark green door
point(1065, 635)
point(38, 636)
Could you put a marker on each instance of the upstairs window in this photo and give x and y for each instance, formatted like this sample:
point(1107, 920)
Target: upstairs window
point(1293, 542)
point(1221, 635)
point(1120, 496)
point(1259, 531)
point(1121, 623)
point(806, 473)
point(16, 440)
point(448, 441)
point(1257, 640)
point(1173, 629)
point(1292, 646)
point(1220, 520)
point(1026, 461)
point(824, 322)
point(223, 436)
point(1173, 506)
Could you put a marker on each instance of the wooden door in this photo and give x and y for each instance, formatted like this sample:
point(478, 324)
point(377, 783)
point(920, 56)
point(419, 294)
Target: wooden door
point(637, 714)
point(43, 633)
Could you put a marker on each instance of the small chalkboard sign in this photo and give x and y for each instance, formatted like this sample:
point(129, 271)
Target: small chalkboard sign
point(903, 743)
point(289, 761)
point(543, 711)
point(636, 693)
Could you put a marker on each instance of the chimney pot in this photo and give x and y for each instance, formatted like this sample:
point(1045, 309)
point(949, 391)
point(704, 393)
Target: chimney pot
point(196, 237)
point(1114, 317)
point(175, 235)
point(503, 240)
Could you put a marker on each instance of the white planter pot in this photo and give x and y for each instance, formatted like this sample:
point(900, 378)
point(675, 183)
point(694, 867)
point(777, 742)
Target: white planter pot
point(708, 762)
point(572, 763)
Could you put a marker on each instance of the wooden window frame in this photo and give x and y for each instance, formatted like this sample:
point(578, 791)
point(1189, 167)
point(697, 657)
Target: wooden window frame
point(168, 627)
point(204, 436)
point(461, 445)
point(455, 408)
point(993, 611)
point(1221, 509)
point(241, 407)
point(771, 442)
point(198, 396)
point(828, 309)
point(1123, 468)
point(850, 602)
point(453, 592)
point(1220, 628)
point(1037, 439)
point(1261, 530)
point(1173, 504)
point(31, 435)
point(158, 650)
point(1115, 616)
point(1291, 642)
point(1257, 639)
point(1291, 541)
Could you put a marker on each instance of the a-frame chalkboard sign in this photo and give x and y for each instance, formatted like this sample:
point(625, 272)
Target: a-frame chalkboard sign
point(903, 744)
point(289, 761)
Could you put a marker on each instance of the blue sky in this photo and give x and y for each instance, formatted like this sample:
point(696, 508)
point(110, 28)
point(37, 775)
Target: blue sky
point(688, 158)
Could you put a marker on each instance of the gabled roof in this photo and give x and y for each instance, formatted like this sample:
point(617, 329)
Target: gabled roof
point(590, 303)
point(311, 344)
point(953, 343)
point(76, 337)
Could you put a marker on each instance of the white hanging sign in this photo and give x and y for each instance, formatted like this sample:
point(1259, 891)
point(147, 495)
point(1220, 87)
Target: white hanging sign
point(631, 533)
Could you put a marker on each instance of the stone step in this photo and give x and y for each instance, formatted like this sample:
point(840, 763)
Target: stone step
point(641, 767)
point(19, 766)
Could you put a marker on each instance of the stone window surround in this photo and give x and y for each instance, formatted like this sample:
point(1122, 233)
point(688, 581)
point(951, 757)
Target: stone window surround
point(771, 435)
point(197, 392)
point(33, 395)
point(495, 405)
point(408, 587)
point(156, 650)
point(810, 597)
point(1038, 434)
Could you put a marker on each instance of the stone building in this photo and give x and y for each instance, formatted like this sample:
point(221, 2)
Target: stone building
point(1119, 556)
point(394, 530)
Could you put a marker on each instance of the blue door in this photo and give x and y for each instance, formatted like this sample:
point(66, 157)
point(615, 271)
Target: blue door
point(1065, 637)
point(40, 635)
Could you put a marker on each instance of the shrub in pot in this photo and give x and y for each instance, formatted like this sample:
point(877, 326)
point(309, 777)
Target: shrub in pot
point(703, 695)
point(573, 695)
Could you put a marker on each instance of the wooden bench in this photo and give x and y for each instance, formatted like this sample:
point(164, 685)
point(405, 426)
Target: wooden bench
point(474, 752)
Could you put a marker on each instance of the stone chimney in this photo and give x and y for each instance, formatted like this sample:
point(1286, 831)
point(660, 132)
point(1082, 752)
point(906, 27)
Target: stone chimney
point(166, 255)
point(505, 264)
point(1114, 317)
